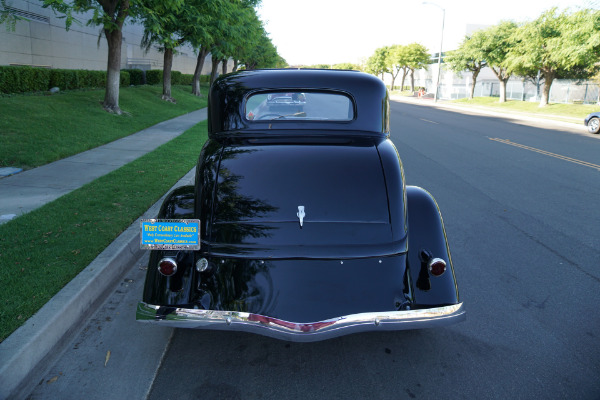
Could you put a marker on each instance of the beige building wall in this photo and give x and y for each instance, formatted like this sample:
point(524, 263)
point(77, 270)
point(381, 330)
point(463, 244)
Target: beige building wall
point(44, 41)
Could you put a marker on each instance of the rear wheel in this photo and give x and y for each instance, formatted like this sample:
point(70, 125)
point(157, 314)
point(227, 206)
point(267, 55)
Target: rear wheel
point(594, 125)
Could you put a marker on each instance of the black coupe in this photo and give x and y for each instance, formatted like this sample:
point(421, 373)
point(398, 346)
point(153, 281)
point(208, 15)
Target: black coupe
point(307, 230)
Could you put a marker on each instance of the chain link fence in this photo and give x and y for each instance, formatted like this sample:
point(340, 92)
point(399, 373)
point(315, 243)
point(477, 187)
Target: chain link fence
point(562, 91)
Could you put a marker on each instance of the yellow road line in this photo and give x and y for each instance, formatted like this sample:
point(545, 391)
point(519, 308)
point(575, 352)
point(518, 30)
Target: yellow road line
point(547, 153)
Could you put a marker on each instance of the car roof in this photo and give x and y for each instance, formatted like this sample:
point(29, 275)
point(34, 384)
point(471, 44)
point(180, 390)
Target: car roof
point(229, 92)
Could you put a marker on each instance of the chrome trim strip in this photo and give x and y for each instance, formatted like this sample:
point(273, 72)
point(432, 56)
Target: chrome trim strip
point(300, 332)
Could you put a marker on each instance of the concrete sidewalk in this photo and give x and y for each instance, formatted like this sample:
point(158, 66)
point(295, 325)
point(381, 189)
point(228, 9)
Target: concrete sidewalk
point(31, 189)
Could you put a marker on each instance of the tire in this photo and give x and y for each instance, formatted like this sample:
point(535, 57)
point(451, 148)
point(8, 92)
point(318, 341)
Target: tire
point(594, 125)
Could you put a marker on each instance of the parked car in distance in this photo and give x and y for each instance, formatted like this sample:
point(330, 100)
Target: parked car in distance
point(293, 100)
point(307, 228)
point(592, 121)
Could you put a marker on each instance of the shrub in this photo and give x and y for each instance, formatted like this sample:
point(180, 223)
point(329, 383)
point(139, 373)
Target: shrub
point(186, 79)
point(136, 76)
point(91, 79)
point(17, 79)
point(176, 78)
point(154, 76)
point(125, 78)
point(62, 78)
point(68, 79)
point(22, 79)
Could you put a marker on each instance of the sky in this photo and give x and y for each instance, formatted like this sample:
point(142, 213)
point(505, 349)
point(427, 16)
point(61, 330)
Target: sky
point(308, 32)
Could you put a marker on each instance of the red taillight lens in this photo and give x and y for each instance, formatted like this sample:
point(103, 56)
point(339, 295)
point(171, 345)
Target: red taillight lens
point(167, 266)
point(437, 266)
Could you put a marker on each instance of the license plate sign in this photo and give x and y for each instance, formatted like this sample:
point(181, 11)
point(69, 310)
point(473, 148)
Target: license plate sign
point(170, 234)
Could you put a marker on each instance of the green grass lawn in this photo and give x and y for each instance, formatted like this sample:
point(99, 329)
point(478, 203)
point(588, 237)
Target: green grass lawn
point(43, 250)
point(37, 129)
point(555, 110)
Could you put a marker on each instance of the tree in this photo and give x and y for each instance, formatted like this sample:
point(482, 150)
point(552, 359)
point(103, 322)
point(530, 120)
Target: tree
point(376, 64)
point(346, 66)
point(249, 44)
point(404, 64)
point(180, 25)
point(417, 57)
point(205, 39)
point(396, 60)
point(262, 53)
point(248, 30)
point(166, 32)
point(237, 33)
point(202, 53)
point(469, 57)
point(565, 45)
point(110, 15)
point(215, 59)
point(8, 17)
point(496, 43)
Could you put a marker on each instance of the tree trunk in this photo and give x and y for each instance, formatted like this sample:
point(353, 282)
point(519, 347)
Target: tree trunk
point(404, 73)
point(473, 83)
point(224, 65)
point(167, 65)
point(235, 65)
point(198, 71)
point(548, 79)
point(503, 77)
point(412, 80)
point(113, 71)
point(118, 12)
point(213, 72)
point(503, 90)
point(393, 81)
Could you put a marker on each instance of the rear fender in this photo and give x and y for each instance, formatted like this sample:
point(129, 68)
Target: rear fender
point(427, 238)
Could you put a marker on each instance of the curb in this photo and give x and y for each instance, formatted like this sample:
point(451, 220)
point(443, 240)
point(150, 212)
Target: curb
point(34, 347)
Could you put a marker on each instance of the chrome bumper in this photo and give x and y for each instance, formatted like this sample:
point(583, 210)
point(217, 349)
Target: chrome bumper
point(300, 332)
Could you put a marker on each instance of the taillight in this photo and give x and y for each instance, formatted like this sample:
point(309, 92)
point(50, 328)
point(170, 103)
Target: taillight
point(167, 266)
point(437, 266)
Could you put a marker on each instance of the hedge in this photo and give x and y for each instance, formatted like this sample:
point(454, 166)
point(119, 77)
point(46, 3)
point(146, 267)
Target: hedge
point(23, 79)
point(136, 76)
point(187, 79)
point(154, 76)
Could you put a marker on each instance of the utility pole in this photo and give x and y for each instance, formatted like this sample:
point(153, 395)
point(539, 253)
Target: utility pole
point(437, 87)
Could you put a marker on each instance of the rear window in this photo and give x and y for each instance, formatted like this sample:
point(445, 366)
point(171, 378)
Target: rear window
point(298, 105)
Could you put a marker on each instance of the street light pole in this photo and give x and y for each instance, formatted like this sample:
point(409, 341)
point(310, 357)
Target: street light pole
point(437, 87)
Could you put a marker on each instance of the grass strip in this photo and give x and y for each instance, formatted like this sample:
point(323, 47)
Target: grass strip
point(36, 129)
point(551, 110)
point(42, 251)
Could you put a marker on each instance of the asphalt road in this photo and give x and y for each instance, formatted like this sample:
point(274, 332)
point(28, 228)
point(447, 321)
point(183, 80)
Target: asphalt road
point(521, 207)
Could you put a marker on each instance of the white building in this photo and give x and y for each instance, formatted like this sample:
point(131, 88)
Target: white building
point(43, 41)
